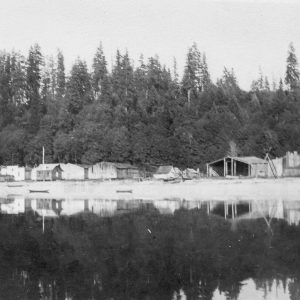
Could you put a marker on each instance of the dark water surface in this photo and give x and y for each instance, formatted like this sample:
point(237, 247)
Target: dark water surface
point(134, 249)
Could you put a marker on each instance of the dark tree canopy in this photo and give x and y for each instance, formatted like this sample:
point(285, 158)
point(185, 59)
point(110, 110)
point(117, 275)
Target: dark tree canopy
point(143, 114)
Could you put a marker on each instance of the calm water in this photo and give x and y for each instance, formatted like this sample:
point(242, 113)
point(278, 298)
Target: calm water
point(129, 249)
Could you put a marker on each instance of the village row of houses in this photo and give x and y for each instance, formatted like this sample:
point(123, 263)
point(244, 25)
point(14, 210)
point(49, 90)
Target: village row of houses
point(51, 172)
point(229, 166)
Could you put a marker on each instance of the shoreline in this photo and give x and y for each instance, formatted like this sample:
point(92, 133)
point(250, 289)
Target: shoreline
point(203, 189)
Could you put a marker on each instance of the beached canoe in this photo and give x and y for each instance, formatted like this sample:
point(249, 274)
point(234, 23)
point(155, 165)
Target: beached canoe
point(38, 191)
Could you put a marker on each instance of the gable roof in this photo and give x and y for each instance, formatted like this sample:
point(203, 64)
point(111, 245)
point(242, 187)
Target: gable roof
point(48, 167)
point(116, 165)
point(250, 160)
point(124, 166)
point(164, 170)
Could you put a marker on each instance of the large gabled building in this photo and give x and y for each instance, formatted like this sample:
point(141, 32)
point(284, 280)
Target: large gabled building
point(245, 166)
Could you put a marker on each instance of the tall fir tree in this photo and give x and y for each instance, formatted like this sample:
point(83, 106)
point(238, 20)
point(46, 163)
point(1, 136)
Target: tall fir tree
point(292, 71)
point(205, 76)
point(60, 76)
point(79, 89)
point(191, 81)
point(33, 81)
point(100, 80)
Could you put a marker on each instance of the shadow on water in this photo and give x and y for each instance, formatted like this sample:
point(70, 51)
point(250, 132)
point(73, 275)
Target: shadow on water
point(141, 250)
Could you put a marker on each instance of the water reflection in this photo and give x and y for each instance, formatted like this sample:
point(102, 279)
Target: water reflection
point(131, 249)
point(234, 211)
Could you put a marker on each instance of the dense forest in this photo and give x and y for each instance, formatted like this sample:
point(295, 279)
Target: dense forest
point(143, 114)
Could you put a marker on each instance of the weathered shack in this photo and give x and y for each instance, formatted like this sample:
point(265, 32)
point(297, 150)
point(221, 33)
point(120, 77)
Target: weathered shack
point(247, 166)
point(17, 172)
point(286, 166)
point(127, 171)
point(166, 172)
point(47, 172)
point(110, 170)
point(102, 170)
point(74, 172)
point(28, 171)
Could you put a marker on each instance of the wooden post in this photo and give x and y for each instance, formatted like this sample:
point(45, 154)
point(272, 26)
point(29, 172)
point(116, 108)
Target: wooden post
point(231, 167)
point(225, 167)
point(225, 210)
point(208, 208)
point(234, 168)
point(232, 210)
point(207, 170)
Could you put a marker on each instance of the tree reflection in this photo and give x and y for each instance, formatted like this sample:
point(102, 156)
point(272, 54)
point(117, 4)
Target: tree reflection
point(143, 255)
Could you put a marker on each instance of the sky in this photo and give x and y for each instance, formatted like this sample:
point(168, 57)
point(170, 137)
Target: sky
point(246, 35)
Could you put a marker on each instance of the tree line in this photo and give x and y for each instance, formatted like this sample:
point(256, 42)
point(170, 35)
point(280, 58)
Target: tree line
point(142, 114)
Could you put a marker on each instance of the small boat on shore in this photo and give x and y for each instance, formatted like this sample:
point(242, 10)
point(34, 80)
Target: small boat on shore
point(123, 191)
point(38, 191)
point(173, 179)
point(15, 185)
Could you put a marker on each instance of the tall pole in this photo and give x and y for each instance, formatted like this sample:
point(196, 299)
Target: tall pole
point(43, 155)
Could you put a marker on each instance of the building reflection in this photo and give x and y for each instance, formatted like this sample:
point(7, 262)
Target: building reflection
point(233, 211)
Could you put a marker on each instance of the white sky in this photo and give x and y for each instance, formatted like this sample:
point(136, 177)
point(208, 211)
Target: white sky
point(243, 35)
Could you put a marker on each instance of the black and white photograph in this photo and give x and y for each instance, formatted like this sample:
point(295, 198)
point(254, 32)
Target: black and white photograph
point(149, 150)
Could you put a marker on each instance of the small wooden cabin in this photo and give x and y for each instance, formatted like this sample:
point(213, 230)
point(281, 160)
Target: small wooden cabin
point(110, 170)
point(126, 171)
point(74, 172)
point(48, 172)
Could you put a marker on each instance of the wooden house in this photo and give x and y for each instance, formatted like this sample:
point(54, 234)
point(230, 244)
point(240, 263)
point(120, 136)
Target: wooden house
point(47, 172)
point(127, 171)
point(246, 166)
point(74, 172)
point(110, 170)
point(17, 172)
point(167, 172)
point(286, 166)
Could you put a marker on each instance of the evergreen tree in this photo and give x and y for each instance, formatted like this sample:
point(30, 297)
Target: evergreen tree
point(79, 89)
point(205, 76)
point(18, 79)
point(191, 81)
point(123, 80)
point(228, 82)
point(292, 72)
point(6, 114)
point(60, 76)
point(100, 79)
point(33, 77)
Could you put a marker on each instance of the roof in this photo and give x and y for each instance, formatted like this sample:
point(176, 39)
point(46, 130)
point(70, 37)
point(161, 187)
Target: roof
point(70, 164)
point(164, 170)
point(250, 160)
point(124, 166)
point(117, 165)
point(83, 165)
point(47, 166)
